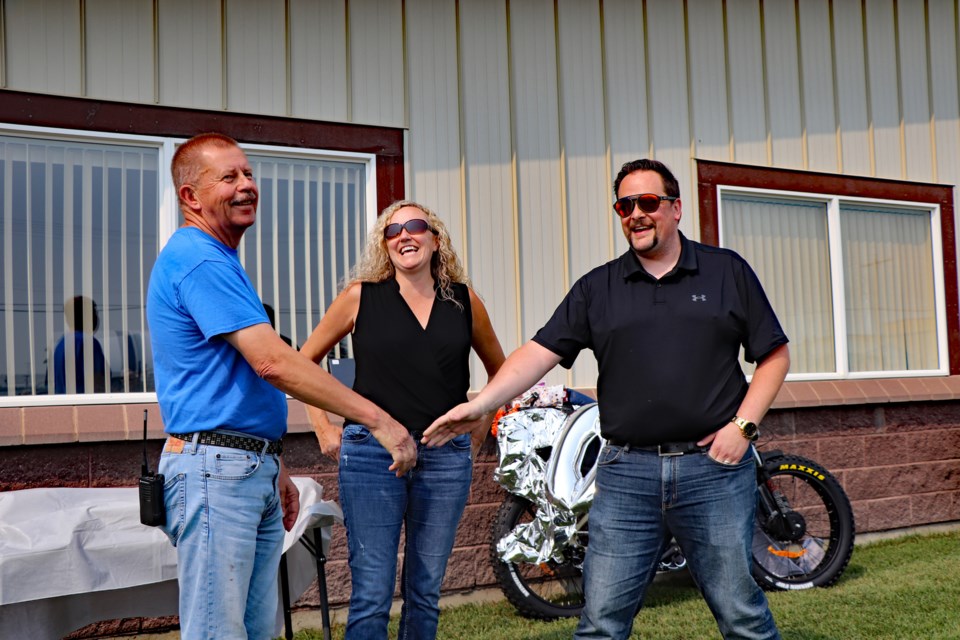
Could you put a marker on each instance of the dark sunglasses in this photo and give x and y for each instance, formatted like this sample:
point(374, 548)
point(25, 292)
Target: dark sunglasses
point(414, 227)
point(648, 203)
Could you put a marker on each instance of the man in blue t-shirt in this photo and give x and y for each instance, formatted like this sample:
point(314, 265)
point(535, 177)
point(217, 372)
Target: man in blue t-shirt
point(221, 374)
point(666, 321)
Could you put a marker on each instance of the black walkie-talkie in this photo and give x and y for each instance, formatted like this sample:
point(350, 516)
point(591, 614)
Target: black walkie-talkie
point(152, 512)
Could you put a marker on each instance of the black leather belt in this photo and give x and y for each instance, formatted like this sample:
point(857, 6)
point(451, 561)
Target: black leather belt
point(665, 449)
point(220, 439)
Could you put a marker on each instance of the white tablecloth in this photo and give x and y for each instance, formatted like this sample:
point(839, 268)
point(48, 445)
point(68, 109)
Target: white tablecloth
point(70, 557)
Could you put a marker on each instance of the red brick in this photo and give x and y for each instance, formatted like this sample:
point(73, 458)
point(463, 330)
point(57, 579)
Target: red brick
point(828, 393)
point(785, 398)
point(926, 508)
point(863, 419)
point(485, 489)
point(872, 391)
point(923, 415)
point(887, 449)
point(883, 515)
point(894, 389)
point(778, 424)
point(841, 453)
point(462, 569)
point(475, 525)
point(48, 425)
point(804, 394)
point(11, 427)
point(939, 444)
point(134, 419)
point(104, 422)
point(903, 480)
point(338, 543)
point(338, 582)
point(816, 422)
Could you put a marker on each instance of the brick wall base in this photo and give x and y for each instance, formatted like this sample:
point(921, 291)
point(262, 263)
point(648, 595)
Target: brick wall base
point(899, 464)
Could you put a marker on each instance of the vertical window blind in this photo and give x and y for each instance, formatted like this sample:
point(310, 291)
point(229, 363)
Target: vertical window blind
point(80, 232)
point(885, 310)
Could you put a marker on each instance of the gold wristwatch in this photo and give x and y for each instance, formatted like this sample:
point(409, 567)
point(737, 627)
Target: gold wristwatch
point(748, 429)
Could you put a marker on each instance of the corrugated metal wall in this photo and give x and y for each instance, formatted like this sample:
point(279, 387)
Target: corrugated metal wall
point(520, 112)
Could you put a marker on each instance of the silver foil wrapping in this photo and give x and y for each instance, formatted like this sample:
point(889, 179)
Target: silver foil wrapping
point(521, 471)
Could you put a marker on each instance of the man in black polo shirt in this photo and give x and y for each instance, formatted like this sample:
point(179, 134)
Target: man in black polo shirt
point(666, 321)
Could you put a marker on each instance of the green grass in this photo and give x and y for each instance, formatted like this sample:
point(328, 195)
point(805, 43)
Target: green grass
point(902, 589)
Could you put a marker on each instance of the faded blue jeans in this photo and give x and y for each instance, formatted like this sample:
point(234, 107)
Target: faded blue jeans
point(428, 502)
point(225, 519)
point(641, 500)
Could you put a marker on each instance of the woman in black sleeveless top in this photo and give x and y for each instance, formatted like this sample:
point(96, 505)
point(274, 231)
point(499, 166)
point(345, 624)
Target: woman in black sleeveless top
point(413, 320)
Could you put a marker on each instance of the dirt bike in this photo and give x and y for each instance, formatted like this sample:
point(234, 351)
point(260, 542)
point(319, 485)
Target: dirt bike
point(803, 537)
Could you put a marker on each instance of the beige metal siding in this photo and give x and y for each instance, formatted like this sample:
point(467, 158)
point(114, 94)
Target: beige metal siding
point(883, 95)
point(945, 110)
point(745, 73)
point(782, 73)
point(519, 113)
point(817, 83)
point(318, 59)
point(914, 91)
point(668, 102)
point(543, 249)
point(707, 79)
point(433, 162)
point(850, 63)
point(488, 164)
point(256, 56)
point(43, 46)
point(375, 33)
point(191, 57)
point(582, 135)
point(119, 57)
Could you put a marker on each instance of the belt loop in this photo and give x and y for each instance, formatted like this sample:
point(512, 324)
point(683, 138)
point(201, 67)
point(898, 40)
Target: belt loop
point(626, 448)
point(263, 452)
point(195, 440)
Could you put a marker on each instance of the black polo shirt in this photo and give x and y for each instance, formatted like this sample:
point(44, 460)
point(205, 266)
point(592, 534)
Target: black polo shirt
point(667, 349)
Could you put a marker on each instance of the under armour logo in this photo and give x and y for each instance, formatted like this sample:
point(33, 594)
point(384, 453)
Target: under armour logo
point(699, 298)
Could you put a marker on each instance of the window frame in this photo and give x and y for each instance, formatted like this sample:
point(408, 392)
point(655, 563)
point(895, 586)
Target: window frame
point(379, 149)
point(713, 176)
point(835, 251)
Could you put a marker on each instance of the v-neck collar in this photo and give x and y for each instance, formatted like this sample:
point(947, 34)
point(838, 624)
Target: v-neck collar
point(433, 305)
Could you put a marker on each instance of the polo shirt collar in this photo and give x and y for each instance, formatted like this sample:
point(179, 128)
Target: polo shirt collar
point(631, 269)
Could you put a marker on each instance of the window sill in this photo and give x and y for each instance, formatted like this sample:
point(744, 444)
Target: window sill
point(825, 393)
point(120, 422)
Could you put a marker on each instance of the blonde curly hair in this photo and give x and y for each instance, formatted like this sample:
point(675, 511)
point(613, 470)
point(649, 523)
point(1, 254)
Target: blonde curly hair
point(375, 265)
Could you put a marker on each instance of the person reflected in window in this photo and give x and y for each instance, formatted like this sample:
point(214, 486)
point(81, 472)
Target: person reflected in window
point(414, 320)
point(82, 319)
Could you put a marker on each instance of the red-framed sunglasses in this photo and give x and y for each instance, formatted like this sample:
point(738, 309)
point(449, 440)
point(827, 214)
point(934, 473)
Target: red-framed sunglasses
point(648, 203)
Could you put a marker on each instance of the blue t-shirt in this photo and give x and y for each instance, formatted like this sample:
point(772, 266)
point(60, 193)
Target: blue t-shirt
point(198, 292)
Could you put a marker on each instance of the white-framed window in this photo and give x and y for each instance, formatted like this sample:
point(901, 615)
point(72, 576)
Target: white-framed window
point(857, 283)
point(83, 216)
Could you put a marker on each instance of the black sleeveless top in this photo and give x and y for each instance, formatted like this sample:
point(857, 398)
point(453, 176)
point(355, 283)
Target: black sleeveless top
point(414, 374)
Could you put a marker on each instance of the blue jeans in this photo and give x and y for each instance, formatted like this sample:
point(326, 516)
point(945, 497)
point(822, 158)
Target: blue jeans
point(641, 500)
point(428, 501)
point(225, 519)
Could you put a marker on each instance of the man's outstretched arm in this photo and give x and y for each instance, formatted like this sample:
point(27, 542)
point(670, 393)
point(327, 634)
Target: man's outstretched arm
point(524, 368)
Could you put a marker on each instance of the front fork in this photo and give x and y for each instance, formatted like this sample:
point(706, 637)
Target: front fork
point(775, 515)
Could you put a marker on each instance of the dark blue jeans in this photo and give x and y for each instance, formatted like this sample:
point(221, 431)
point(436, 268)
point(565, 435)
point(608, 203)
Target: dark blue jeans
point(709, 508)
point(428, 502)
